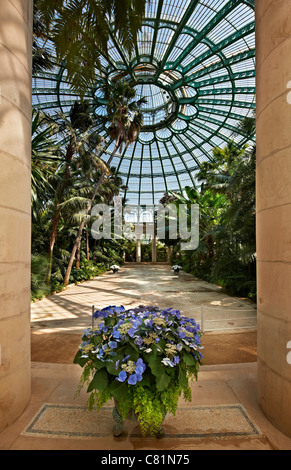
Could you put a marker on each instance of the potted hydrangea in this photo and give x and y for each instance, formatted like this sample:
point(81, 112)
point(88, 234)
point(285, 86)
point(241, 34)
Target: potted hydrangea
point(115, 268)
point(143, 359)
point(176, 269)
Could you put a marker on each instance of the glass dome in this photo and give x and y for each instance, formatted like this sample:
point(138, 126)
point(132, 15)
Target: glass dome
point(195, 63)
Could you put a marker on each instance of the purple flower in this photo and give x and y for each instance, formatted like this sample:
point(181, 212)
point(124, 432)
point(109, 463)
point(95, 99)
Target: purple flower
point(149, 323)
point(122, 376)
point(138, 341)
point(138, 377)
point(116, 334)
point(112, 344)
point(119, 309)
point(103, 313)
point(132, 379)
point(140, 366)
point(131, 332)
point(96, 314)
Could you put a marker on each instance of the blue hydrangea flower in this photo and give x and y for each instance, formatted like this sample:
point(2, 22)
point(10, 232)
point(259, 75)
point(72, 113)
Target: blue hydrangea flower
point(182, 334)
point(138, 341)
point(119, 309)
point(132, 379)
point(116, 334)
point(122, 376)
point(140, 366)
point(87, 332)
point(131, 332)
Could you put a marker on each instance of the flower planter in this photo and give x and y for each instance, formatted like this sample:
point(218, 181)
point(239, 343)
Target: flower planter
point(177, 269)
point(115, 268)
point(142, 358)
point(132, 416)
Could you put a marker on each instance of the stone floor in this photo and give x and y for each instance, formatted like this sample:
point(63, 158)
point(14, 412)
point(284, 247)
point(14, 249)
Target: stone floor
point(224, 413)
point(145, 284)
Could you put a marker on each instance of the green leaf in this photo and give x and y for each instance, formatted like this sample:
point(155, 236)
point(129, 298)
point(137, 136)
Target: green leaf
point(80, 360)
point(97, 340)
point(111, 366)
point(134, 355)
point(99, 364)
point(183, 380)
point(119, 390)
point(99, 382)
point(146, 381)
point(188, 359)
point(156, 366)
point(163, 381)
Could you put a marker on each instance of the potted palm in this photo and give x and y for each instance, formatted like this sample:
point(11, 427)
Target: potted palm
point(142, 358)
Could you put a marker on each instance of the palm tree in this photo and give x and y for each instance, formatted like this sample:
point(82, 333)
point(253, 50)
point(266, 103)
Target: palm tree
point(124, 114)
point(80, 30)
point(83, 140)
point(74, 208)
point(45, 157)
point(125, 117)
point(41, 58)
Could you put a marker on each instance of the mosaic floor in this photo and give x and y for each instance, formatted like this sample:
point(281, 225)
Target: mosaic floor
point(64, 420)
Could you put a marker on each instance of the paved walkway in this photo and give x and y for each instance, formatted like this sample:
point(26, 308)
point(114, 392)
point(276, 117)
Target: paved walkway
point(223, 415)
point(145, 284)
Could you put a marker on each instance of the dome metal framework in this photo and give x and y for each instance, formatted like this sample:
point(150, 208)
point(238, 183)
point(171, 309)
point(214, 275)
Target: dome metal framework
point(195, 63)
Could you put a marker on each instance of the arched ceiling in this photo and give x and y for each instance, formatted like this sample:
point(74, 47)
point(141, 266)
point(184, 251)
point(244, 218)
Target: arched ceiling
point(195, 63)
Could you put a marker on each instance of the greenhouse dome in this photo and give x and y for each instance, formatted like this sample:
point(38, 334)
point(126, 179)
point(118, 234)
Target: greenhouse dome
point(195, 64)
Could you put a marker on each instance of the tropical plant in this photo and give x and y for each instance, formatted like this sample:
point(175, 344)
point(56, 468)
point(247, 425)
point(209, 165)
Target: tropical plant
point(39, 287)
point(81, 29)
point(41, 58)
point(226, 254)
point(45, 158)
point(65, 168)
point(82, 147)
point(125, 117)
point(143, 358)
